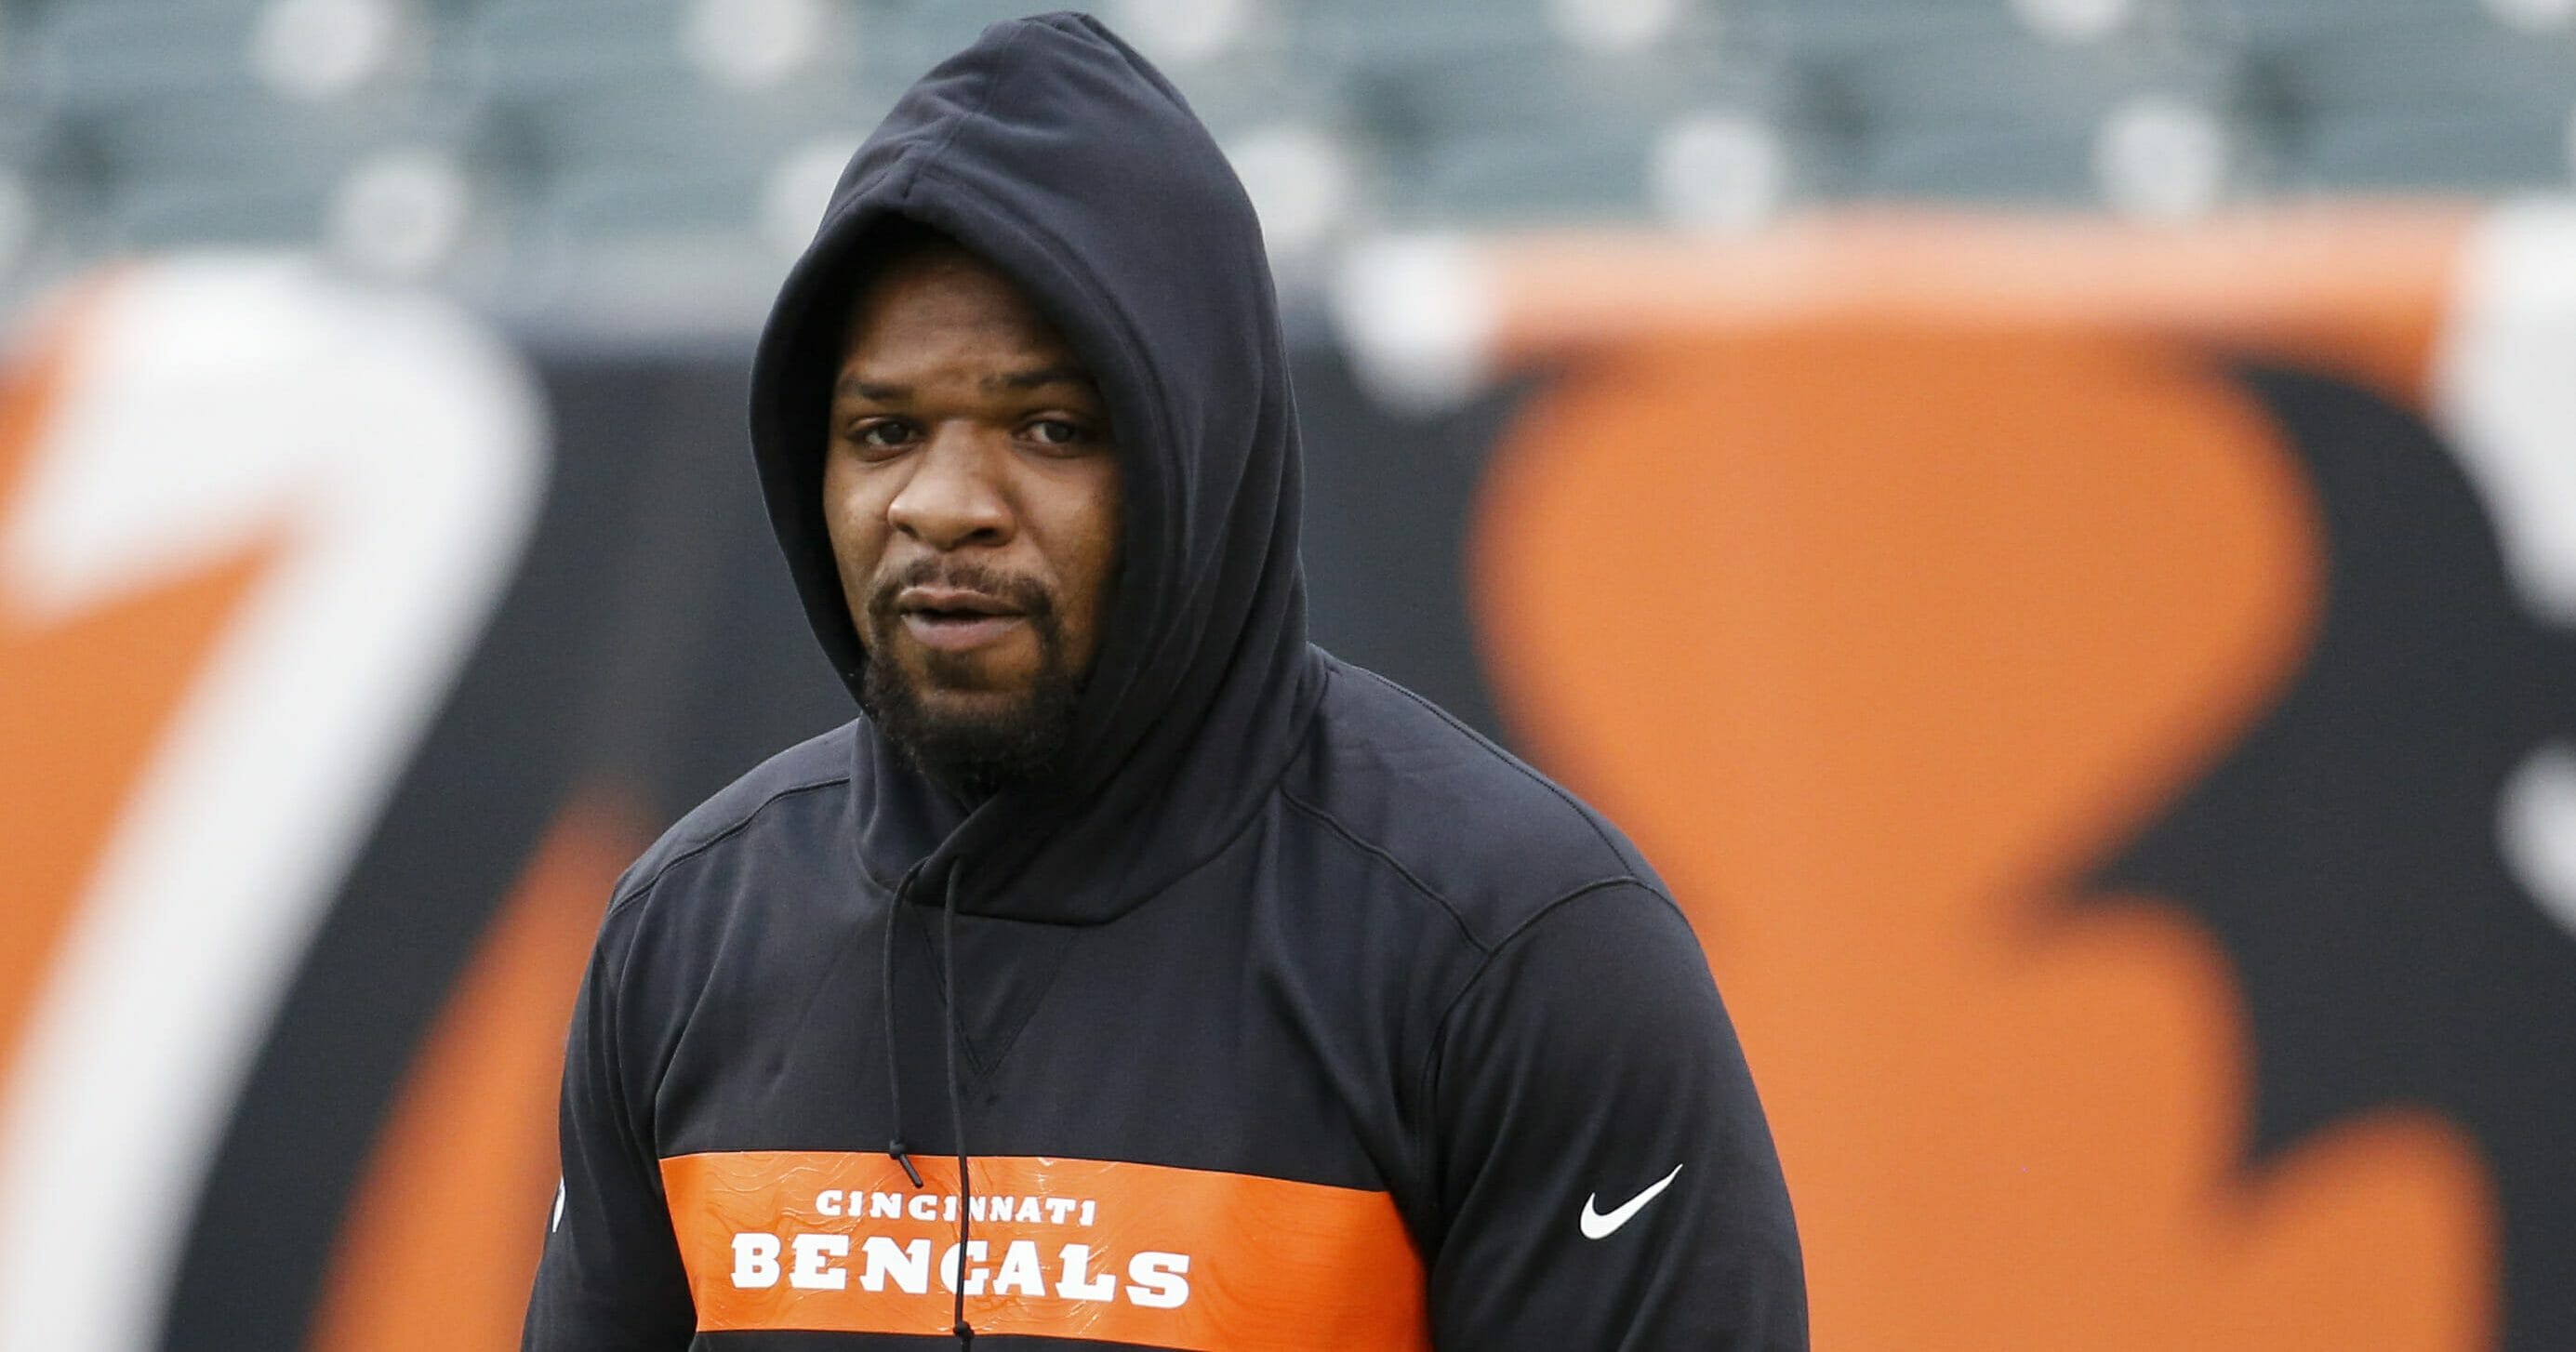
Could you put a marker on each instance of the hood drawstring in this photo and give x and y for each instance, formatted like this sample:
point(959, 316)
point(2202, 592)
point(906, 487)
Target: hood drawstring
point(895, 1146)
point(957, 1103)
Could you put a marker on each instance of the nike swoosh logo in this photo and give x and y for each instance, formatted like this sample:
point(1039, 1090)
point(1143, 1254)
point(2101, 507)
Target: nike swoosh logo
point(1597, 1225)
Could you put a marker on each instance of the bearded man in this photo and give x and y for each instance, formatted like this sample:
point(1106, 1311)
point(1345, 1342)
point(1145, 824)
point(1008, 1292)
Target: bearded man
point(1132, 973)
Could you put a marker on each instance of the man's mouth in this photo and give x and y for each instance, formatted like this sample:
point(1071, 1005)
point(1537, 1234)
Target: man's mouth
point(955, 619)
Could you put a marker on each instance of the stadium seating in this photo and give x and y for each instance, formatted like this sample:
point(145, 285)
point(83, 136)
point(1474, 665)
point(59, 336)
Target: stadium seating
point(583, 128)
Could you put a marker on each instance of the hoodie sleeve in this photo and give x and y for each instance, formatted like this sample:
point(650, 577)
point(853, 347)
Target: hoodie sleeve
point(1607, 1177)
point(610, 1279)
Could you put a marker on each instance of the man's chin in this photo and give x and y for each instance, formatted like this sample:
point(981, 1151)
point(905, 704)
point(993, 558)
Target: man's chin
point(976, 738)
point(963, 712)
point(978, 676)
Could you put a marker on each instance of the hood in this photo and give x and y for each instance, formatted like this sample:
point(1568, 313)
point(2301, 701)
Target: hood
point(1056, 152)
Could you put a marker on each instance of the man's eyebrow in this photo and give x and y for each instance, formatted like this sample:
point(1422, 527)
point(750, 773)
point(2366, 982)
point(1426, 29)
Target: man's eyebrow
point(859, 387)
point(1058, 374)
point(853, 387)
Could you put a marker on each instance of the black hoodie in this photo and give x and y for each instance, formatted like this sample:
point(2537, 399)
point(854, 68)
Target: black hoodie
point(1289, 1013)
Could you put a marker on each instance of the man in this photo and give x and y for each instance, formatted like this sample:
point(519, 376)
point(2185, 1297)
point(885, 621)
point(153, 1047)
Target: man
point(1133, 974)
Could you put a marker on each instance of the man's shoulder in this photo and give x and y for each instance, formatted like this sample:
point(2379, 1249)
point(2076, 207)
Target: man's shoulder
point(815, 765)
point(1459, 817)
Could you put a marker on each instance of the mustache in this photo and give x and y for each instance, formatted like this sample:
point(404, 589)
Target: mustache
point(1025, 594)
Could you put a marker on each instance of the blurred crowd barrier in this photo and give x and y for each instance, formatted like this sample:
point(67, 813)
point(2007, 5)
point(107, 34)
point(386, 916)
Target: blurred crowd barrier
point(2105, 693)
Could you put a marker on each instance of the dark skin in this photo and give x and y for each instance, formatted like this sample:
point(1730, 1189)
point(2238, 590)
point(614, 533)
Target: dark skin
point(972, 496)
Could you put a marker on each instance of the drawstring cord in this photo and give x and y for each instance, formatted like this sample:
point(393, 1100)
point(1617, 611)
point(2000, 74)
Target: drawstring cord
point(901, 1153)
point(895, 1147)
point(957, 1106)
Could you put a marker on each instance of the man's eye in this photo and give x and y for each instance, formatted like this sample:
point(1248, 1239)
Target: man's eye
point(1056, 432)
point(882, 435)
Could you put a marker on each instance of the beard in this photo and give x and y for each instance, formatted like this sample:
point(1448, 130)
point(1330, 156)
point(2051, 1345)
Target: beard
point(978, 754)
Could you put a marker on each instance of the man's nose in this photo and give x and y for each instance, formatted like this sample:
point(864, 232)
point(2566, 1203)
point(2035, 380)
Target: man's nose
point(953, 498)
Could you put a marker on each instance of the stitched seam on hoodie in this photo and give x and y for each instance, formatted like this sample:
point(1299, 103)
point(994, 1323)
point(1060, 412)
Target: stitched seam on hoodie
point(984, 1068)
point(1431, 1061)
point(1485, 745)
point(1063, 959)
point(645, 888)
point(1440, 1029)
point(1002, 70)
point(1093, 27)
point(614, 1056)
point(1337, 827)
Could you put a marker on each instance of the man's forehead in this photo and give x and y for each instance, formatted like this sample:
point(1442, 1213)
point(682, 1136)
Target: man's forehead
point(916, 265)
point(861, 379)
point(942, 286)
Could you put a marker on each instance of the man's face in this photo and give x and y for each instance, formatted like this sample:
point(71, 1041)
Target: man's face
point(972, 498)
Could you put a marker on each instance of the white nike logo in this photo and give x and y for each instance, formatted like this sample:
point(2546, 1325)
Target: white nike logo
point(1597, 1225)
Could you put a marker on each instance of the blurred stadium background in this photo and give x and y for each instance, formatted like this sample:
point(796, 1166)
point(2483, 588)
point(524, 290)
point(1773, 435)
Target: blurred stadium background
point(2052, 521)
point(649, 162)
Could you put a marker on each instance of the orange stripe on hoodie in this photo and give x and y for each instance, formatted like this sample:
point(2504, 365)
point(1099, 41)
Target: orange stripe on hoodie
point(1110, 1251)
